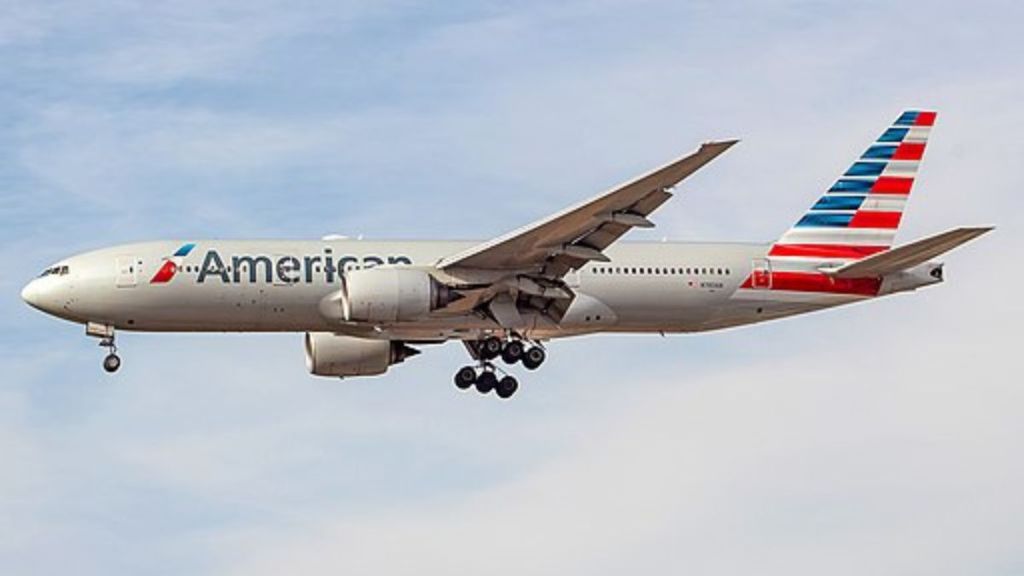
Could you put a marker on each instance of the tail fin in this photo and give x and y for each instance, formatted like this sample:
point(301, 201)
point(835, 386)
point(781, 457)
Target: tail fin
point(858, 216)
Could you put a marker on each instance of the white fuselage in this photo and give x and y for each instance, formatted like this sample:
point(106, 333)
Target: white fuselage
point(273, 285)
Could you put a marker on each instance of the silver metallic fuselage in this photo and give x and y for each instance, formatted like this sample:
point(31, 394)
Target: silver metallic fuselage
point(114, 286)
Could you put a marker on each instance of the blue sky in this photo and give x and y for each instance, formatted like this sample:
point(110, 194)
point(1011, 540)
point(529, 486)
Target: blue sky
point(879, 438)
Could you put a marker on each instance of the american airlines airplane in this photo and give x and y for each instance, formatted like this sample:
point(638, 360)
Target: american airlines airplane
point(367, 305)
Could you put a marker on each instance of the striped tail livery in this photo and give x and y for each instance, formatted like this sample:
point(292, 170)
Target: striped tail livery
point(842, 246)
point(858, 216)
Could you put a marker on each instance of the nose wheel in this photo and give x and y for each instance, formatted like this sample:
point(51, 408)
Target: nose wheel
point(484, 376)
point(112, 362)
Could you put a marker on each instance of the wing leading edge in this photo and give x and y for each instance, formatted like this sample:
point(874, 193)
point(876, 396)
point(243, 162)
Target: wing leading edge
point(569, 239)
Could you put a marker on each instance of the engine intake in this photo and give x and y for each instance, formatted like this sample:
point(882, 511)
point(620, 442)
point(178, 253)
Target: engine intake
point(329, 354)
point(385, 294)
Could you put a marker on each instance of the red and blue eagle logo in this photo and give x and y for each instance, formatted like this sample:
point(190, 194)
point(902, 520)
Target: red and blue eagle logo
point(171, 265)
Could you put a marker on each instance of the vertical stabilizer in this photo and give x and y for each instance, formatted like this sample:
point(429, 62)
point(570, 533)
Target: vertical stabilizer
point(859, 214)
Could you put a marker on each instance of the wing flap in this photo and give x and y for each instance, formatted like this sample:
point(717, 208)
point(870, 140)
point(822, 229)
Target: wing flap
point(908, 255)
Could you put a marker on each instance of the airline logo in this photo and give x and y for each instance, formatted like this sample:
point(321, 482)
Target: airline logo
point(171, 265)
point(285, 269)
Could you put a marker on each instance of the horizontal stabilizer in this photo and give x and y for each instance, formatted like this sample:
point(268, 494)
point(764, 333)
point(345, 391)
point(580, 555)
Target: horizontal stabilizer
point(906, 256)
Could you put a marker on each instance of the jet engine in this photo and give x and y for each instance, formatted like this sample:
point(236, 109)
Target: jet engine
point(329, 354)
point(386, 294)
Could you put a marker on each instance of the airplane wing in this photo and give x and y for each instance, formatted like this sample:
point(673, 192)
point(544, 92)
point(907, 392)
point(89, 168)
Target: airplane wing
point(569, 239)
point(908, 255)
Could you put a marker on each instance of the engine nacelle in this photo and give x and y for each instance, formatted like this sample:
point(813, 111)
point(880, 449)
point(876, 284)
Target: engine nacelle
point(385, 294)
point(329, 354)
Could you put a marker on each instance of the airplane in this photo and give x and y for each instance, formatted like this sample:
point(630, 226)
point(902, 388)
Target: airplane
point(365, 306)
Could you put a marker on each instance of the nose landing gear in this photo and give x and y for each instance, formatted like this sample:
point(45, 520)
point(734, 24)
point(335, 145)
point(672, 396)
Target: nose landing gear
point(483, 376)
point(112, 362)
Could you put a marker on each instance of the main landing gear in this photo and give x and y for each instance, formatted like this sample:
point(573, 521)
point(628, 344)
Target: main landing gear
point(484, 376)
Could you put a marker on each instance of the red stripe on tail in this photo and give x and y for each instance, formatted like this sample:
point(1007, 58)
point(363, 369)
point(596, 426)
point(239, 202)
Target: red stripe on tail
point(825, 250)
point(892, 185)
point(909, 151)
point(813, 282)
point(925, 119)
point(816, 282)
point(864, 219)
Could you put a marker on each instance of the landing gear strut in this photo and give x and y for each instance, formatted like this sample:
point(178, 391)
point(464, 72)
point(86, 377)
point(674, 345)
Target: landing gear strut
point(484, 375)
point(105, 333)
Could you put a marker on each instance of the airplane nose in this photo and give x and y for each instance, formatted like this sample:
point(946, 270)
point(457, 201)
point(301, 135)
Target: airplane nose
point(30, 294)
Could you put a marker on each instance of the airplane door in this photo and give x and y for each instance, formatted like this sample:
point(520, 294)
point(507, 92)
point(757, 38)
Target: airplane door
point(761, 274)
point(127, 271)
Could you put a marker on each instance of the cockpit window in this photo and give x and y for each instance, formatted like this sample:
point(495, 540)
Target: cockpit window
point(55, 271)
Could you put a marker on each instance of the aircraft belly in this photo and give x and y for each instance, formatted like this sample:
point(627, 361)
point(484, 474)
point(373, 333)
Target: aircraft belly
point(214, 308)
point(666, 304)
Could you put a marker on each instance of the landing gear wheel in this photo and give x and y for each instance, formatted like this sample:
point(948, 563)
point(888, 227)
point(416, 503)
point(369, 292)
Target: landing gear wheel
point(486, 382)
point(465, 377)
point(490, 348)
point(534, 357)
point(512, 352)
point(111, 363)
point(506, 387)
